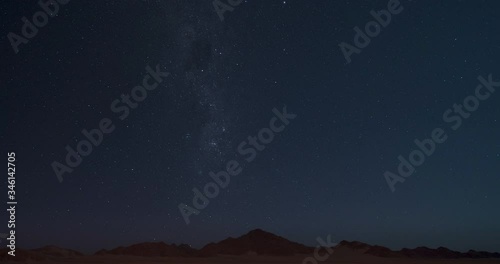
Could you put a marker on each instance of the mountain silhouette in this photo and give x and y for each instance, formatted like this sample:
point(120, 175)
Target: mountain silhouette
point(38, 254)
point(151, 249)
point(257, 242)
point(419, 252)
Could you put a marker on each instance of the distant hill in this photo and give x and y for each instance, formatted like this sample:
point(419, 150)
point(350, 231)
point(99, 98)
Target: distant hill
point(419, 252)
point(53, 251)
point(38, 254)
point(151, 249)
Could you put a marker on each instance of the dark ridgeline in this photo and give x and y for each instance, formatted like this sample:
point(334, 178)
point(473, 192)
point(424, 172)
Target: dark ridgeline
point(151, 249)
point(419, 252)
point(255, 242)
point(38, 254)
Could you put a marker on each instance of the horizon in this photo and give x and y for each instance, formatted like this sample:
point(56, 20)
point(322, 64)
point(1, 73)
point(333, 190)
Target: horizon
point(192, 121)
point(246, 233)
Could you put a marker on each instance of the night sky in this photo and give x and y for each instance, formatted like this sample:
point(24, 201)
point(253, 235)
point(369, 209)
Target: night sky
point(323, 174)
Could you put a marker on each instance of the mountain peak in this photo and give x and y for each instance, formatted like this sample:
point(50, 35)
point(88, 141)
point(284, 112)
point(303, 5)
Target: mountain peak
point(258, 242)
point(260, 233)
point(257, 230)
point(354, 244)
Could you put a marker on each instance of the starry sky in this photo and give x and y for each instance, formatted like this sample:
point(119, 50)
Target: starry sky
point(324, 174)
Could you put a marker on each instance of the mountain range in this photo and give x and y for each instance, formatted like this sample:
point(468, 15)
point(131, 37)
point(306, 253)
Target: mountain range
point(255, 242)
